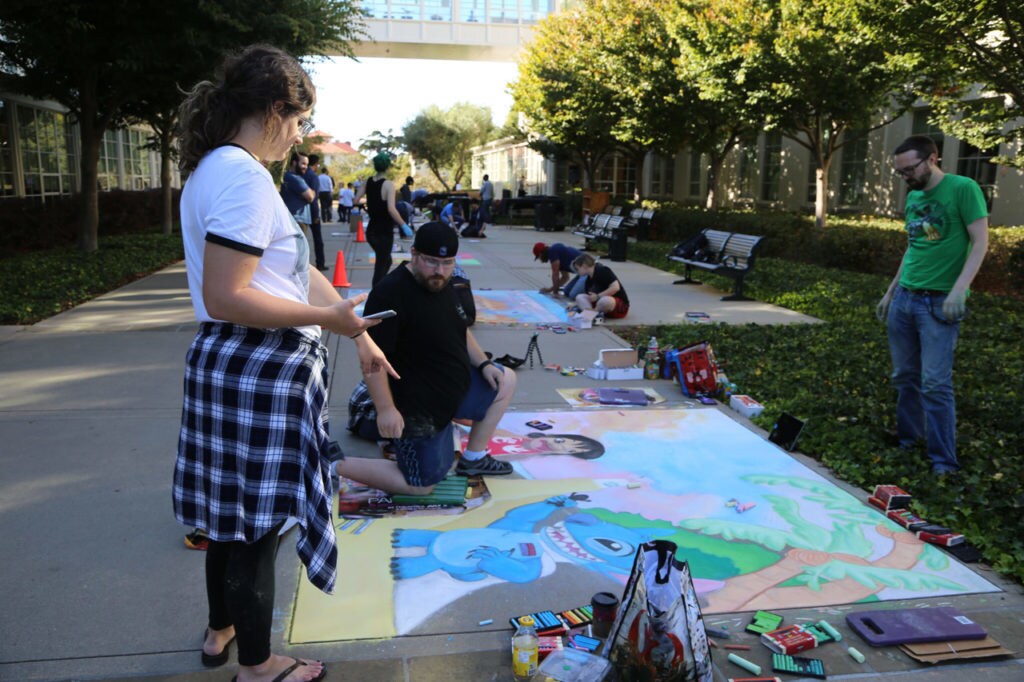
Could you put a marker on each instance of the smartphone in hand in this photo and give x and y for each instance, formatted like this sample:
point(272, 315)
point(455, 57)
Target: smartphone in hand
point(382, 315)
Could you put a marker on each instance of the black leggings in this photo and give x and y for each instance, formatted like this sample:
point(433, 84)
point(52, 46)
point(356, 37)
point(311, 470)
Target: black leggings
point(381, 241)
point(240, 592)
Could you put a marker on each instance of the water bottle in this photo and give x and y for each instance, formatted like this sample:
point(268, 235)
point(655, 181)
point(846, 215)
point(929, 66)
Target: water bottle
point(651, 365)
point(524, 649)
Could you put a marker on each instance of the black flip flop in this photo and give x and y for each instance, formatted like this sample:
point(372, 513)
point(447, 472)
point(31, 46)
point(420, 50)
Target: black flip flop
point(288, 671)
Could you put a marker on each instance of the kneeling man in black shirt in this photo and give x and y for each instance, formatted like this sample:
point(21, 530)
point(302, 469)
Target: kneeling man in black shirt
point(444, 376)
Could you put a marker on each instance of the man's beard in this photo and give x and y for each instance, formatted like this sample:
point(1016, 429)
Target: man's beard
point(919, 183)
point(432, 283)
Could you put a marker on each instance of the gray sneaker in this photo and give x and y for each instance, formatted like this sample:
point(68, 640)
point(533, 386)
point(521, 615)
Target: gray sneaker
point(485, 466)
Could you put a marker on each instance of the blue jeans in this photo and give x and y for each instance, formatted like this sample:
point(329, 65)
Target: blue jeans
point(576, 286)
point(921, 342)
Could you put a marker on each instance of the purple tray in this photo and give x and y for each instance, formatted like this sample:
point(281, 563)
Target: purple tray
point(909, 626)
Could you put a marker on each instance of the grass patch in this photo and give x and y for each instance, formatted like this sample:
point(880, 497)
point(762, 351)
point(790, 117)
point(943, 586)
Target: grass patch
point(835, 376)
point(34, 286)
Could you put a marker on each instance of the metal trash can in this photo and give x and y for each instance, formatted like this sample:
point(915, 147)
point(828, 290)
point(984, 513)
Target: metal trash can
point(355, 215)
point(617, 246)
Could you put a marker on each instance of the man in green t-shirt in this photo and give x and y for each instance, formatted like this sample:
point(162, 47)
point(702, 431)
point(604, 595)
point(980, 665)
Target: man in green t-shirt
point(947, 236)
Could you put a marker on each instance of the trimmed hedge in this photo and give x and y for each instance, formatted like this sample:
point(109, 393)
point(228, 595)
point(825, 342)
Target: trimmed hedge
point(859, 244)
point(30, 225)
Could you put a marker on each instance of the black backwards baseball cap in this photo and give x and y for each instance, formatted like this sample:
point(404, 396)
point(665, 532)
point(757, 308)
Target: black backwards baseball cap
point(436, 239)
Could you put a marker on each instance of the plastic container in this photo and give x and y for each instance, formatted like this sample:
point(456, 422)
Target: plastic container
point(572, 665)
point(525, 645)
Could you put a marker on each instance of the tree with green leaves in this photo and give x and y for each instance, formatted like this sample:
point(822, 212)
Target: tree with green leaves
point(721, 112)
point(443, 139)
point(563, 90)
point(637, 54)
point(126, 60)
point(970, 56)
point(812, 70)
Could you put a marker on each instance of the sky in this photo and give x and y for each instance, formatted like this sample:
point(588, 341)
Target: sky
point(356, 98)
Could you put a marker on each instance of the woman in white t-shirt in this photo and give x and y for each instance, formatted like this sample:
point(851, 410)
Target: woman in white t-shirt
point(253, 452)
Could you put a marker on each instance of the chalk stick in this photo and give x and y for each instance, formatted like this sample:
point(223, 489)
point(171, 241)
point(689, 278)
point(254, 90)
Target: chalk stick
point(486, 622)
point(715, 632)
point(745, 664)
point(634, 485)
point(832, 632)
point(738, 647)
point(855, 655)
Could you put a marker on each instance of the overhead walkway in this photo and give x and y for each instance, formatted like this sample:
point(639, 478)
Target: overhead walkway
point(479, 30)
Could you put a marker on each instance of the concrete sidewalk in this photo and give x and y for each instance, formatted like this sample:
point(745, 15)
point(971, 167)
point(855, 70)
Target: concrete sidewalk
point(95, 580)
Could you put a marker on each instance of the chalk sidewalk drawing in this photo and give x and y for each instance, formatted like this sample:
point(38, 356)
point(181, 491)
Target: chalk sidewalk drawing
point(760, 531)
point(507, 306)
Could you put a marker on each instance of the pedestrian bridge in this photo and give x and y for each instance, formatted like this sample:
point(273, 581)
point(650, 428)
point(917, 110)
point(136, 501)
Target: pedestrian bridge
point(475, 30)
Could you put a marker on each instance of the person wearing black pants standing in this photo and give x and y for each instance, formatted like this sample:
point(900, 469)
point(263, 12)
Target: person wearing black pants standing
point(384, 215)
point(249, 462)
point(312, 179)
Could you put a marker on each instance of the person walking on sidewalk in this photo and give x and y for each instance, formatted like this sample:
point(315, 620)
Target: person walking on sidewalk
point(445, 376)
point(346, 197)
point(384, 215)
point(326, 196)
point(947, 237)
point(252, 449)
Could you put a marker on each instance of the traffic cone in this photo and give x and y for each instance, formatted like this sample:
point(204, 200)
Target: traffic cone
point(340, 278)
point(360, 237)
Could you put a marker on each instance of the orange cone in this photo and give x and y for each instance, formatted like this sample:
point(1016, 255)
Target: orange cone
point(340, 277)
point(360, 237)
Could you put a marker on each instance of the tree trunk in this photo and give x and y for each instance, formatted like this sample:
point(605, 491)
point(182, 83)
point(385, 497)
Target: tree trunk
point(166, 191)
point(714, 173)
point(91, 127)
point(89, 217)
point(821, 192)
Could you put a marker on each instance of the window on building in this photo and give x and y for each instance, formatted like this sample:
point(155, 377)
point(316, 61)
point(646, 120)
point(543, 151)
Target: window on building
point(853, 164)
point(505, 11)
point(7, 188)
point(625, 176)
point(975, 163)
point(921, 126)
point(137, 167)
point(662, 176)
point(107, 173)
point(772, 166)
point(746, 170)
point(437, 10)
point(405, 9)
point(47, 157)
point(693, 181)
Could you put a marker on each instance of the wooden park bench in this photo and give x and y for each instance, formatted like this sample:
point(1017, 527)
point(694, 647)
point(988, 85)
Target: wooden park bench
point(723, 253)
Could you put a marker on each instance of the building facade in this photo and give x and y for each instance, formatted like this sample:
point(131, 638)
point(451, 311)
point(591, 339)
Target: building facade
point(773, 171)
point(40, 149)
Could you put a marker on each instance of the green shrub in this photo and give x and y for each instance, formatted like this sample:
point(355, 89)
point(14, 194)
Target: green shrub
point(34, 286)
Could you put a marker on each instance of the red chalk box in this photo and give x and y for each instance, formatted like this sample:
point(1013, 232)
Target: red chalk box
point(548, 644)
point(789, 640)
point(891, 497)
